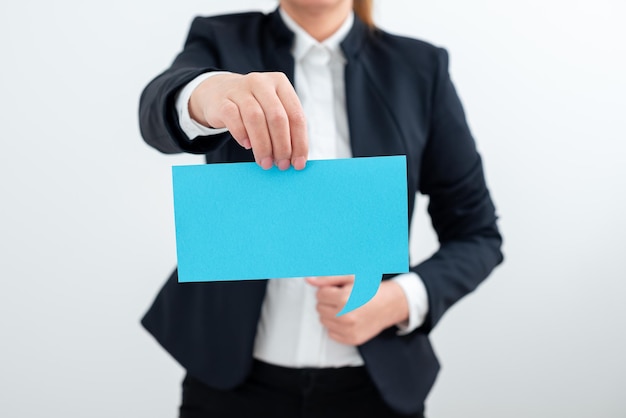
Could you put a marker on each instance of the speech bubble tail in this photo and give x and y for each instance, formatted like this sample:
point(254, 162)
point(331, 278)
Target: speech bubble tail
point(364, 289)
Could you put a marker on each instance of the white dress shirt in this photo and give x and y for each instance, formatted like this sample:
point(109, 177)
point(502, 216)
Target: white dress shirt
point(289, 332)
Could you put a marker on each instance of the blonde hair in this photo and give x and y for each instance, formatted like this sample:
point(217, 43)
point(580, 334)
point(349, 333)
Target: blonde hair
point(364, 9)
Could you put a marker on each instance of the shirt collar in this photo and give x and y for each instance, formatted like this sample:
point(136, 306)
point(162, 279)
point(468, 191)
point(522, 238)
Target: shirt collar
point(303, 42)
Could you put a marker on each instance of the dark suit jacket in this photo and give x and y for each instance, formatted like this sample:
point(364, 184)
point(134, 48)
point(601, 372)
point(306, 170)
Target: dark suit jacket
point(400, 101)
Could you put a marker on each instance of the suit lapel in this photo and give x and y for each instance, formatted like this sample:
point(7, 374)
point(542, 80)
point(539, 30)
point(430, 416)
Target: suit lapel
point(372, 121)
point(276, 54)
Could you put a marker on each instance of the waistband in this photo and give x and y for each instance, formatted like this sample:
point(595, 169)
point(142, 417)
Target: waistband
point(329, 379)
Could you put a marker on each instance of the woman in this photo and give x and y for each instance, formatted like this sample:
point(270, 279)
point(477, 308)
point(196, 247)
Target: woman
point(275, 348)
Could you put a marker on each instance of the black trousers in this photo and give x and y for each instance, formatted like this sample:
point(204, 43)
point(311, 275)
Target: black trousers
point(279, 392)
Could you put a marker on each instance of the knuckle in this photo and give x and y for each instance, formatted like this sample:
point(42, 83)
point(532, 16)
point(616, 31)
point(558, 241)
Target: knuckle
point(229, 109)
point(279, 77)
point(256, 115)
point(297, 118)
point(277, 117)
point(254, 77)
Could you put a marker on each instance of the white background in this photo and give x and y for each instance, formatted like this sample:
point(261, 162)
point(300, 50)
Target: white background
point(86, 229)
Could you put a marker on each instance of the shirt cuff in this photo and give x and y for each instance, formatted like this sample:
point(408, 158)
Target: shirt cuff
point(190, 127)
point(416, 297)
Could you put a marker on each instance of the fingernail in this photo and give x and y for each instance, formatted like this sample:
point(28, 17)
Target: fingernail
point(299, 163)
point(267, 163)
point(246, 143)
point(283, 164)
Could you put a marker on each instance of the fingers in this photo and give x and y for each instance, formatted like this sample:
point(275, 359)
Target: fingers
point(262, 113)
point(331, 280)
point(233, 120)
point(253, 120)
point(297, 125)
point(347, 329)
point(328, 313)
point(334, 297)
point(333, 291)
point(272, 137)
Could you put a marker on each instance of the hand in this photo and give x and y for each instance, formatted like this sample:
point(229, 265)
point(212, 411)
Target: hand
point(261, 111)
point(388, 307)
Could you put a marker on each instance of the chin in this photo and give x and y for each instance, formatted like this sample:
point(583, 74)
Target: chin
point(315, 3)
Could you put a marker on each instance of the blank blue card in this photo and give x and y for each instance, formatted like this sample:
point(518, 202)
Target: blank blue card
point(237, 221)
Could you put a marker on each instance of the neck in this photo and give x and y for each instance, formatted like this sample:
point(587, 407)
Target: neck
point(320, 21)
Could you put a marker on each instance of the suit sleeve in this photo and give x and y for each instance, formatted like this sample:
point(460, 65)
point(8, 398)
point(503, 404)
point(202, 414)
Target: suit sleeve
point(158, 119)
point(461, 209)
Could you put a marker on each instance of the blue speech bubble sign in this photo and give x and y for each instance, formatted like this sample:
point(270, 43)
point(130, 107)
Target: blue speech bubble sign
point(237, 221)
